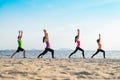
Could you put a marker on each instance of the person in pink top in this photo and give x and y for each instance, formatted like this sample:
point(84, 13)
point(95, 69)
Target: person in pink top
point(78, 45)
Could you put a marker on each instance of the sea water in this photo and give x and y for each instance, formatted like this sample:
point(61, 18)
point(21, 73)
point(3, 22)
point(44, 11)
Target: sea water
point(60, 54)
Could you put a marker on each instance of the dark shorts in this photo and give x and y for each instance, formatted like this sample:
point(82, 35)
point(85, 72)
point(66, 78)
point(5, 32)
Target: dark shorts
point(19, 49)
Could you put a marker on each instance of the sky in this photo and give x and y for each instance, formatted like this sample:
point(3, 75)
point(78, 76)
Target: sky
point(61, 18)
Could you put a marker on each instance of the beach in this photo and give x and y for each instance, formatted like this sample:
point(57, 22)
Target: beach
point(59, 69)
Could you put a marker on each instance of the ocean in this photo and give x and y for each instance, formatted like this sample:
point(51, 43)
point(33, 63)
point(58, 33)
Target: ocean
point(59, 54)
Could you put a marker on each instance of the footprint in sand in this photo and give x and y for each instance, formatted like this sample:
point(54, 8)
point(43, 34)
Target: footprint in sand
point(81, 73)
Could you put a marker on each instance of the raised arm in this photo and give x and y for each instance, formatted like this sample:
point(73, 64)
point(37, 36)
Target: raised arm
point(99, 37)
point(78, 33)
point(46, 34)
point(21, 34)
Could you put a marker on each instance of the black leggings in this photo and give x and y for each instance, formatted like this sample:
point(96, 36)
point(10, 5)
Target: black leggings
point(99, 50)
point(45, 51)
point(76, 51)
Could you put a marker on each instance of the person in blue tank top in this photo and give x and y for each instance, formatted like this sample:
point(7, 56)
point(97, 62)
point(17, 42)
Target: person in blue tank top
point(46, 39)
point(19, 45)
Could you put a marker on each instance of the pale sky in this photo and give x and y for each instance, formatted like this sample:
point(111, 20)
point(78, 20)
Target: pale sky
point(61, 18)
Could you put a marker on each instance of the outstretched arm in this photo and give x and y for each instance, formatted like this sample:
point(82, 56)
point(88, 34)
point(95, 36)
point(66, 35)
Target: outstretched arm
point(78, 33)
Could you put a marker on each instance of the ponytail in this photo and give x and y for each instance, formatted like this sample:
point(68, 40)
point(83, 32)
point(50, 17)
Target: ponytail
point(43, 39)
point(76, 38)
point(98, 40)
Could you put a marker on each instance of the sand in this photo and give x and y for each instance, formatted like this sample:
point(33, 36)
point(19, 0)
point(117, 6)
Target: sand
point(59, 69)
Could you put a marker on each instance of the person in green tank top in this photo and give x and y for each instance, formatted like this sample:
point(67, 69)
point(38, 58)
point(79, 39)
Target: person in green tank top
point(19, 45)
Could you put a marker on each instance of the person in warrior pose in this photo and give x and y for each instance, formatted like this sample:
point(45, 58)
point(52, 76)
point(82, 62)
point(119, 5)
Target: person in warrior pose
point(99, 47)
point(46, 40)
point(78, 44)
point(19, 45)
